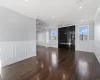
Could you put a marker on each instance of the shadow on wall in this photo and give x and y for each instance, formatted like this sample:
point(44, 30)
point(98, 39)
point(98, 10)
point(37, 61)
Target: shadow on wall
point(40, 24)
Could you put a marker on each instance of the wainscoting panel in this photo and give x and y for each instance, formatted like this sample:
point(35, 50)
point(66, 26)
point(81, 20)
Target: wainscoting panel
point(11, 52)
point(19, 51)
point(31, 49)
point(6, 53)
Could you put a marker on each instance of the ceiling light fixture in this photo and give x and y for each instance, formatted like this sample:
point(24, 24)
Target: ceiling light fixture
point(53, 17)
point(80, 7)
point(82, 20)
point(26, 0)
point(37, 22)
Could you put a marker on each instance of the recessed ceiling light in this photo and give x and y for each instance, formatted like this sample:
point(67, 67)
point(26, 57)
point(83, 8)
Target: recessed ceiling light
point(26, 0)
point(80, 7)
point(53, 17)
point(37, 22)
point(65, 33)
point(82, 20)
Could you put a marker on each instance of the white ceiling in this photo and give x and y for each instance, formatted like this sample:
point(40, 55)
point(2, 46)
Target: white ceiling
point(64, 11)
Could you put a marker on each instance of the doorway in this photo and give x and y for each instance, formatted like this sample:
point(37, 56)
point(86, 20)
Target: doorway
point(66, 37)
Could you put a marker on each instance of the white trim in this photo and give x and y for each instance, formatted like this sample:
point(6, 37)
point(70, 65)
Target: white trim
point(97, 12)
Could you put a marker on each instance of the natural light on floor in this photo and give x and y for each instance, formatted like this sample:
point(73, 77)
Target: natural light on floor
point(83, 67)
point(54, 59)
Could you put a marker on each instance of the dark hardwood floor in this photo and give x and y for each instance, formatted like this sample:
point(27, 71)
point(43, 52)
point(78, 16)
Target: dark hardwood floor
point(54, 64)
point(87, 66)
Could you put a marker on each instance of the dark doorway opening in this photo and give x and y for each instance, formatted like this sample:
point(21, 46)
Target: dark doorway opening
point(66, 37)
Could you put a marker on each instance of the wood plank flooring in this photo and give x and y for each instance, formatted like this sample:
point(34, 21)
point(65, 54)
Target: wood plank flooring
point(54, 64)
point(87, 66)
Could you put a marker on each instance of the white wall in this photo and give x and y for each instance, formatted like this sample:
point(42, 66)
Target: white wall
point(97, 36)
point(47, 37)
point(17, 36)
point(41, 38)
point(44, 38)
point(87, 45)
point(53, 43)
